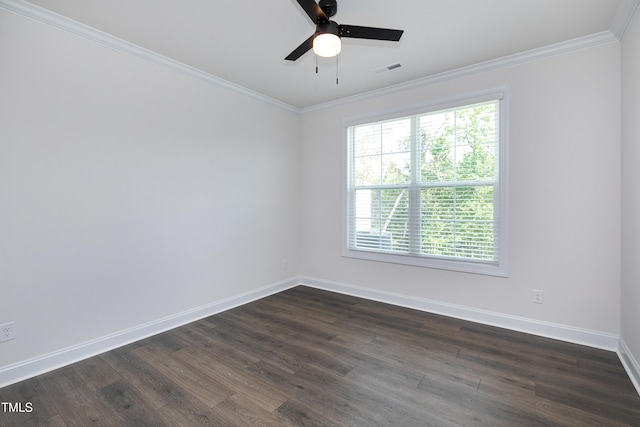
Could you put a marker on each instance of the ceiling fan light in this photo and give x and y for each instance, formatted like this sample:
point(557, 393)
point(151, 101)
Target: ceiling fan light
point(327, 45)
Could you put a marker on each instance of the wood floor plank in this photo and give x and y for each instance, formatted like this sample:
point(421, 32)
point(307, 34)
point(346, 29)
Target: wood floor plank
point(547, 411)
point(96, 373)
point(201, 341)
point(415, 350)
point(378, 406)
point(43, 411)
point(507, 386)
point(241, 410)
point(484, 410)
point(317, 394)
point(74, 401)
point(186, 412)
point(310, 357)
point(300, 414)
point(56, 421)
point(188, 377)
point(130, 407)
point(280, 306)
point(288, 321)
point(292, 348)
point(591, 399)
point(239, 380)
point(173, 402)
point(560, 415)
point(147, 380)
point(609, 372)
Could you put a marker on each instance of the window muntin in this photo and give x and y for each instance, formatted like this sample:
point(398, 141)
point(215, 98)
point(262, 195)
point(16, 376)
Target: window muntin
point(425, 189)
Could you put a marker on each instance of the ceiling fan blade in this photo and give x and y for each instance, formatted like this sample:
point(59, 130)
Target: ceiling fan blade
point(301, 50)
point(372, 33)
point(312, 9)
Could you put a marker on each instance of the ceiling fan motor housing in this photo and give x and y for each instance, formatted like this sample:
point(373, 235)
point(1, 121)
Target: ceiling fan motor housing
point(328, 27)
point(329, 7)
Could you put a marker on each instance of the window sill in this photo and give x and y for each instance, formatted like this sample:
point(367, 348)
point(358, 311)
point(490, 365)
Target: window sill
point(489, 269)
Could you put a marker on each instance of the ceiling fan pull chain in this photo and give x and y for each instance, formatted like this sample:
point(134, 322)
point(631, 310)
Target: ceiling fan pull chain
point(337, 69)
point(316, 64)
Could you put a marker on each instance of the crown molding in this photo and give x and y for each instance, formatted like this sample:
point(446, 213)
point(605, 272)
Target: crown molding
point(44, 16)
point(624, 15)
point(481, 67)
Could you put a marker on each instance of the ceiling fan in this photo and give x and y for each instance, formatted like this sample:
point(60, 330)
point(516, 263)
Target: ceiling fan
point(326, 40)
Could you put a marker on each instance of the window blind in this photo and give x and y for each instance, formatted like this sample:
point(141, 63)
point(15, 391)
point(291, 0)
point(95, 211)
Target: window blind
point(427, 185)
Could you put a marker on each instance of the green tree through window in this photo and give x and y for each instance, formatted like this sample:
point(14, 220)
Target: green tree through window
point(427, 185)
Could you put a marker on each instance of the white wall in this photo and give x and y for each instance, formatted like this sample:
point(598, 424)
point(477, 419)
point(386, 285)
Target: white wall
point(564, 195)
point(130, 192)
point(630, 301)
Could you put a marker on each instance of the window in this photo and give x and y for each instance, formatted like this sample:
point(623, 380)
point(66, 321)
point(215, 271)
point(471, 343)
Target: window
point(428, 189)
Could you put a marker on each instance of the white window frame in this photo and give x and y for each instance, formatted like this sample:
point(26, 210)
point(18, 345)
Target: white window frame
point(499, 268)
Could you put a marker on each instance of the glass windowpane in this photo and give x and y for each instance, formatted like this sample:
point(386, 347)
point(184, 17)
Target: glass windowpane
point(455, 188)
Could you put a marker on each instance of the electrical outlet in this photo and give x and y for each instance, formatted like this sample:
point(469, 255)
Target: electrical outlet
point(7, 331)
point(285, 264)
point(538, 296)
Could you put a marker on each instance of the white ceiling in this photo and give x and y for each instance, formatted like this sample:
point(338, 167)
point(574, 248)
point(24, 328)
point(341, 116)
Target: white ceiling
point(245, 42)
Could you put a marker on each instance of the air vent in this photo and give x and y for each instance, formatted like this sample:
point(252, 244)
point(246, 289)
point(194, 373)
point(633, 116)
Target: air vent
point(387, 68)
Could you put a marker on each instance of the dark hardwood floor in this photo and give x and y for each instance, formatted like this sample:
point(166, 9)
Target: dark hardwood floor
point(311, 357)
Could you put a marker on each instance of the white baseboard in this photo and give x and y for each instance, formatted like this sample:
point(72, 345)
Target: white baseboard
point(586, 337)
point(630, 364)
point(29, 368)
